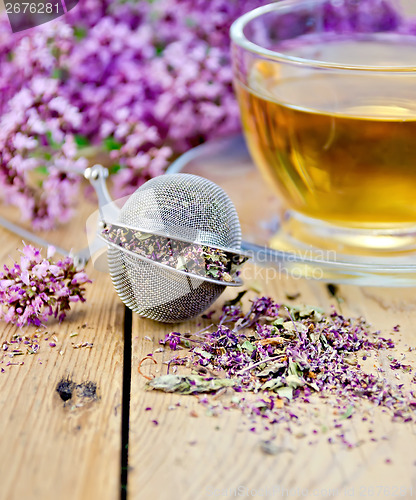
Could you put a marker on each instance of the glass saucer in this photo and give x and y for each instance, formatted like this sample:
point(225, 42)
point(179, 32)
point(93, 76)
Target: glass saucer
point(268, 229)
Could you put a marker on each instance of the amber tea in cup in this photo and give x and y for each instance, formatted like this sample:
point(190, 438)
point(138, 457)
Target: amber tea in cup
point(328, 108)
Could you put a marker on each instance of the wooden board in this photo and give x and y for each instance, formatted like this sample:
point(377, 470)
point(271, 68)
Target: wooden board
point(187, 456)
point(50, 448)
point(177, 451)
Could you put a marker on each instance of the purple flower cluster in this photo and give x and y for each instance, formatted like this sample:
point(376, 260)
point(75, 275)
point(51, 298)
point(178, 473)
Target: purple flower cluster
point(173, 339)
point(140, 81)
point(37, 288)
point(34, 140)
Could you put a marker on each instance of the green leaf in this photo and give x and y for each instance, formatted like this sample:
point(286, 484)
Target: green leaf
point(294, 381)
point(299, 312)
point(81, 141)
point(294, 328)
point(57, 73)
point(202, 353)
point(159, 49)
point(272, 385)
point(80, 32)
point(56, 52)
point(60, 74)
point(114, 169)
point(271, 369)
point(248, 346)
point(294, 368)
point(213, 272)
point(191, 23)
point(181, 263)
point(285, 392)
point(349, 411)
point(313, 386)
point(111, 144)
point(142, 236)
point(190, 384)
point(42, 170)
point(51, 141)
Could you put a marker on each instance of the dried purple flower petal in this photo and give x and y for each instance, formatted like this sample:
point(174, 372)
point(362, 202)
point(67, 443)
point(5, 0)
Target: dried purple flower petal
point(286, 354)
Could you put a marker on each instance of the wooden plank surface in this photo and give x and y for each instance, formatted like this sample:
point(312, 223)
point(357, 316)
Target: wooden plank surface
point(177, 451)
point(50, 448)
point(190, 455)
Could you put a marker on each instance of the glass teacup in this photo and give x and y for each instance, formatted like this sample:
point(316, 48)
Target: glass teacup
point(327, 93)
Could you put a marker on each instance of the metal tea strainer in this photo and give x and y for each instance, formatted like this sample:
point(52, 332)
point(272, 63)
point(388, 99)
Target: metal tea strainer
point(173, 247)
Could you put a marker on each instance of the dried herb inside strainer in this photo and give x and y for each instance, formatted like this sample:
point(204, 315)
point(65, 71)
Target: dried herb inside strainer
point(194, 258)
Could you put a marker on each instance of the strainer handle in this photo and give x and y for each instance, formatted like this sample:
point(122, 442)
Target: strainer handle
point(80, 257)
point(97, 176)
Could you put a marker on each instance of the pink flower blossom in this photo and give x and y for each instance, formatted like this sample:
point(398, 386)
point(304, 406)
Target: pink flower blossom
point(140, 81)
point(38, 288)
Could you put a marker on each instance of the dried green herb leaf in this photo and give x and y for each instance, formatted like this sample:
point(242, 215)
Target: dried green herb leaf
point(202, 353)
point(248, 346)
point(314, 337)
point(181, 264)
point(324, 341)
point(271, 369)
point(294, 369)
point(313, 386)
point(313, 313)
point(189, 384)
point(294, 328)
point(351, 360)
point(285, 392)
point(294, 381)
point(272, 385)
point(142, 236)
point(349, 411)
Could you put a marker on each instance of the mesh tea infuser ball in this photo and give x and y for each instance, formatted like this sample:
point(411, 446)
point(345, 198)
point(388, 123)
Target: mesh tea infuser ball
point(174, 246)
